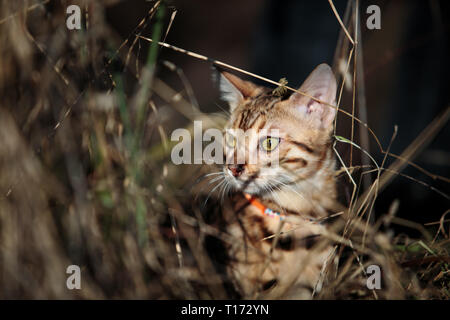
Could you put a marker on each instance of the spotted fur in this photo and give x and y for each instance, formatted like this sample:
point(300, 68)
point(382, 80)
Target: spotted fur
point(270, 258)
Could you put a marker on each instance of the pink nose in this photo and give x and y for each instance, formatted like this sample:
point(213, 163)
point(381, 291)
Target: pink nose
point(236, 169)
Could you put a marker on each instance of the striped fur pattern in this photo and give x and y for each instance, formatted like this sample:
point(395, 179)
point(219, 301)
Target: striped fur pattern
point(271, 258)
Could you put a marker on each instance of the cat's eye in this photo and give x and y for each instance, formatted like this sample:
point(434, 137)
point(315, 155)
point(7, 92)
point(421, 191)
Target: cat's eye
point(230, 140)
point(269, 143)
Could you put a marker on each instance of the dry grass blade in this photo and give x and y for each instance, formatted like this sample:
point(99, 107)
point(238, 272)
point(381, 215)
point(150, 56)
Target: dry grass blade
point(340, 22)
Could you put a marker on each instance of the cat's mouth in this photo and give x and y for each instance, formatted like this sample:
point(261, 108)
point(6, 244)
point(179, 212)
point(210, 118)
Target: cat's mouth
point(251, 185)
point(256, 186)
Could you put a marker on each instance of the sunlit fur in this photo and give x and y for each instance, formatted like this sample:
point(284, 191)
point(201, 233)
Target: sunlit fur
point(304, 178)
point(301, 186)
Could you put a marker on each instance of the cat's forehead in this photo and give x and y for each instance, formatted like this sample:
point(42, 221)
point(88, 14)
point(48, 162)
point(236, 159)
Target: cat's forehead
point(254, 113)
point(267, 111)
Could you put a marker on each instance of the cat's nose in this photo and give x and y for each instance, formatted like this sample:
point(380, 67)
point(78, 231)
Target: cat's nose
point(236, 169)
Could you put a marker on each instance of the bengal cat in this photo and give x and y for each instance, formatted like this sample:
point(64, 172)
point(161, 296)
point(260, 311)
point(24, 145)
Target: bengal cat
point(278, 211)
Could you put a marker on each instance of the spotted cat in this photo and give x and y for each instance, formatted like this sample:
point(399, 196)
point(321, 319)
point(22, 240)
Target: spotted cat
point(279, 210)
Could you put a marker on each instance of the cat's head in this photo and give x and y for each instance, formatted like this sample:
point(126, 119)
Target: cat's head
point(287, 136)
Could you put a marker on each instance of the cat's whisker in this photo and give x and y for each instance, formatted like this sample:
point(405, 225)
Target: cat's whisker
point(213, 173)
point(289, 187)
point(269, 188)
point(215, 179)
point(221, 175)
point(200, 179)
point(311, 186)
point(276, 196)
point(272, 186)
point(225, 189)
point(311, 201)
point(214, 189)
point(308, 199)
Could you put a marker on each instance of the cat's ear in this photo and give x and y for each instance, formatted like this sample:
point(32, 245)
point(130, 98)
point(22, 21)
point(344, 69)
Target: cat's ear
point(320, 84)
point(234, 90)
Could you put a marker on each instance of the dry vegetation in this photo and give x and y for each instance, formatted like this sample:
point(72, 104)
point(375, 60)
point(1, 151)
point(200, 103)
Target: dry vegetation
point(86, 176)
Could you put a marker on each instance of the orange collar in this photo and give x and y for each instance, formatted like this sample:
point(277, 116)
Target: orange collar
point(262, 208)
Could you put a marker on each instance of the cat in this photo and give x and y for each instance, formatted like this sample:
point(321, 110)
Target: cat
point(281, 202)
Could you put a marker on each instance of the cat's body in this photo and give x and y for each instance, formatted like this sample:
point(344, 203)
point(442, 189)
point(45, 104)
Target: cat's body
point(281, 255)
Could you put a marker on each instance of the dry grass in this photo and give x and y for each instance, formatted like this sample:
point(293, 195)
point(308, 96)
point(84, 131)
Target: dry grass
point(86, 176)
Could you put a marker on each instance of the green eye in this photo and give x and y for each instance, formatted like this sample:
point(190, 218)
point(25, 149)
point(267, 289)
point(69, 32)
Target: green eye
point(230, 140)
point(270, 143)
